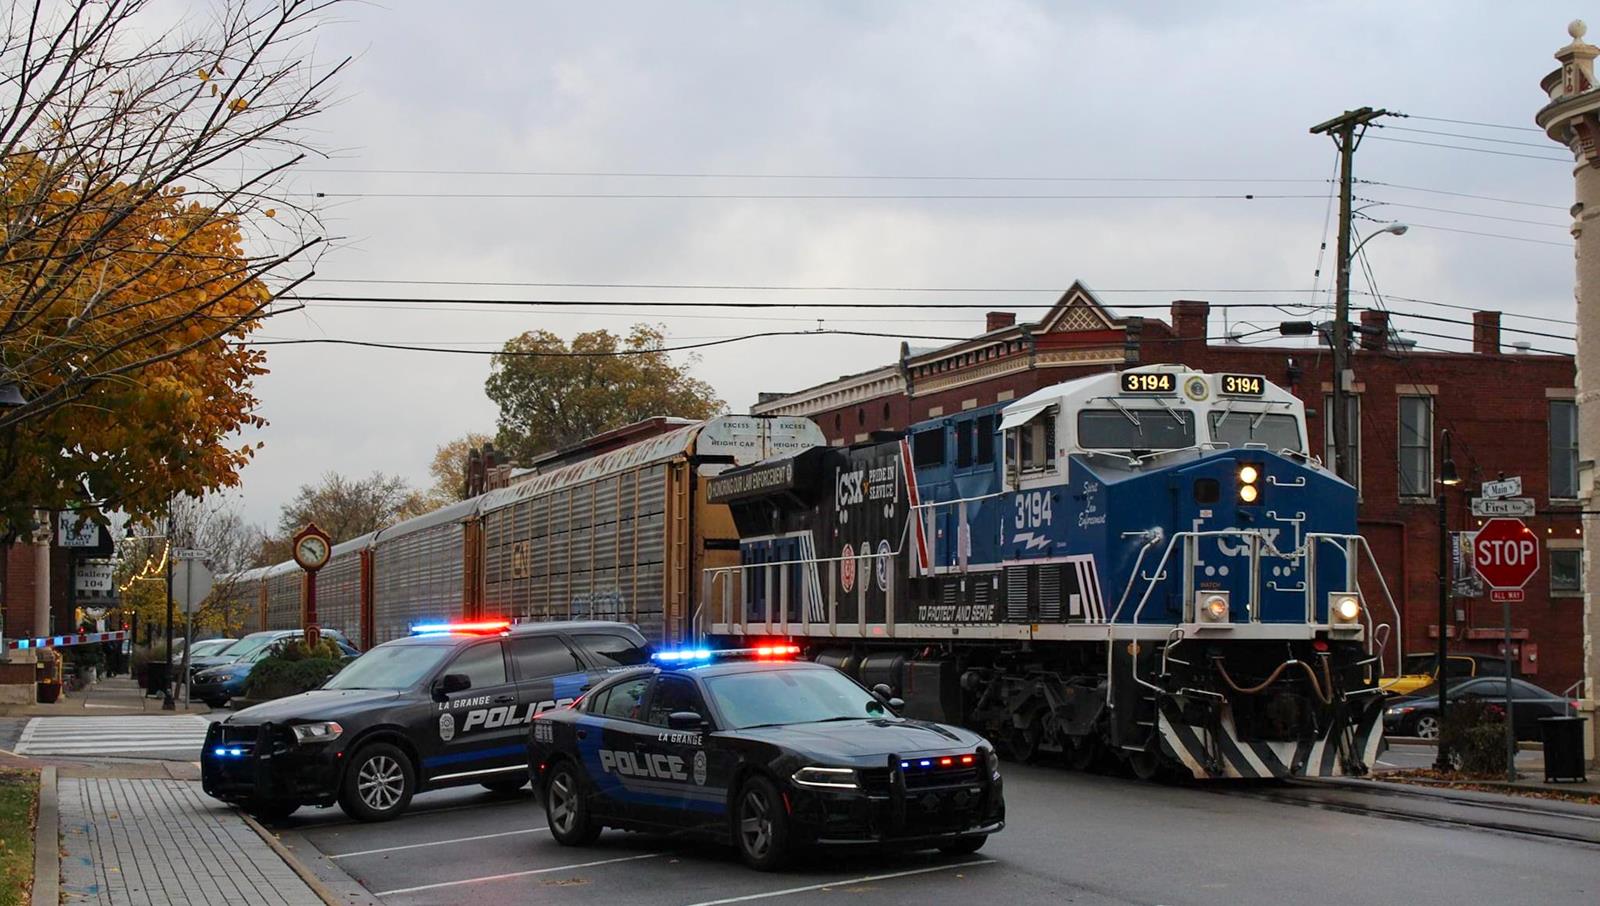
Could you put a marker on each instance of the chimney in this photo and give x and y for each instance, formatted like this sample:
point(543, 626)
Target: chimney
point(995, 320)
point(1374, 329)
point(474, 482)
point(1190, 319)
point(1486, 332)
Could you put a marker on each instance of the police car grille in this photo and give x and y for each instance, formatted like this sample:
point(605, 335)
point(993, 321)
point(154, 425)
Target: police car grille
point(875, 781)
point(937, 779)
point(236, 733)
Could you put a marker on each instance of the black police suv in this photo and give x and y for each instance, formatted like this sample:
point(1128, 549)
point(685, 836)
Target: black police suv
point(447, 706)
point(768, 755)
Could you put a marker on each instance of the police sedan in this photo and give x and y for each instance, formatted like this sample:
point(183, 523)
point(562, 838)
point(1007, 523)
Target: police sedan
point(768, 754)
point(446, 706)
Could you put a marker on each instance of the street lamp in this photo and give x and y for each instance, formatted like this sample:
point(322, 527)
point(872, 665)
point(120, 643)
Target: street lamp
point(1341, 348)
point(1448, 478)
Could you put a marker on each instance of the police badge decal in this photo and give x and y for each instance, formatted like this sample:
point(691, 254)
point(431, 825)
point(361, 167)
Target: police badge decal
point(700, 768)
point(447, 726)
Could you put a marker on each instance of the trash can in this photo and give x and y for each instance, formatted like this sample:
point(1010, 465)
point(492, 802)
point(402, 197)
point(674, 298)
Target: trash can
point(1563, 749)
point(155, 678)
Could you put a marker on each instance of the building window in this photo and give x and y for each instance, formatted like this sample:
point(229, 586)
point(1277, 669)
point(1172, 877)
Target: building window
point(886, 413)
point(838, 422)
point(1563, 449)
point(1352, 441)
point(1416, 446)
point(861, 416)
point(1566, 571)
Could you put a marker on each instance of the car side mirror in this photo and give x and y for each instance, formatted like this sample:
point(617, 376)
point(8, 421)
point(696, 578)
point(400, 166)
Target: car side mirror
point(452, 682)
point(685, 720)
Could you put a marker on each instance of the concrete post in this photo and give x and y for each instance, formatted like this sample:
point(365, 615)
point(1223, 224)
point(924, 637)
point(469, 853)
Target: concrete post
point(41, 575)
point(1572, 117)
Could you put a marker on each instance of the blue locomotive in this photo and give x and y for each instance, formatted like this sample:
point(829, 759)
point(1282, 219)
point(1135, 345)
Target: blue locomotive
point(1145, 565)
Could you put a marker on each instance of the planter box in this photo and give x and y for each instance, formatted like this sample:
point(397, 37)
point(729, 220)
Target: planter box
point(48, 693)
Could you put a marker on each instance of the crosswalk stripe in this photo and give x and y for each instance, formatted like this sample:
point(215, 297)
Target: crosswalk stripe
point(89, 735)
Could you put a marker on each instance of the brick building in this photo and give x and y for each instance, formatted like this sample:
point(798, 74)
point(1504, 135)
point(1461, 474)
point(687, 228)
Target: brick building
point(1506, 411)
point(18, 590)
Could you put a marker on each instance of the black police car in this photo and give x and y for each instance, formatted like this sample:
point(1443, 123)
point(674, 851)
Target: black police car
point(449, 705)
point(768, 755)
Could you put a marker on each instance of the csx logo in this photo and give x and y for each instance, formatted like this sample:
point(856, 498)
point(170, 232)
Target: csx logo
point(851, 488)
point(658, 766)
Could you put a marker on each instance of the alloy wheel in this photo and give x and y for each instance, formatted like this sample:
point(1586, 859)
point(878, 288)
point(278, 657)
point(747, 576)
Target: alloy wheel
point(755, 824)
point(1428, 727)
point(381, 782)
point(563, 808)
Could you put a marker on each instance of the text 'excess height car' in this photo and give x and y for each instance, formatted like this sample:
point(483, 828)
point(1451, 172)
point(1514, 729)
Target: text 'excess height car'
point(448, 705)
point(769, 754)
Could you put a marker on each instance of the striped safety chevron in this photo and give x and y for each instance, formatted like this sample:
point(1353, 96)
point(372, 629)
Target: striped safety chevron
point(65, 641)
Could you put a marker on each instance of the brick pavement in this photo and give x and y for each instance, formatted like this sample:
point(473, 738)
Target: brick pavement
point(131, 842)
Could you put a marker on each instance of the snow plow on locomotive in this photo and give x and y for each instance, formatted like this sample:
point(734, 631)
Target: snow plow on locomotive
point(1144, 564)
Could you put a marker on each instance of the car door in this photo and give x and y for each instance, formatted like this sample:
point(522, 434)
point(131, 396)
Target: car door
point(609, 736)
point(1531, 704)
point(695, 776)
point(479, 728)
point(548, 673)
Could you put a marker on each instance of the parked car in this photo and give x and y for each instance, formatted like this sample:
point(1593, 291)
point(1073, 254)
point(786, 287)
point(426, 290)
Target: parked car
point(1419, 670)
point(216, 685)
point(1417, 714)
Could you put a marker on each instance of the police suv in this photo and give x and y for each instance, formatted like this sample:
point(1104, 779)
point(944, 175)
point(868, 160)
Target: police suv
point(446, 706)
point(767, 753)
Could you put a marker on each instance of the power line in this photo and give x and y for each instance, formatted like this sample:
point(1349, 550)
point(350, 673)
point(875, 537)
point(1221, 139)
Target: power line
point(1475, 138)
point(1418, 207)
point(1429, 226)
point(1531, 204)
point(1440, 119)
point(954, 177)
point(1531, 333)
point(1410, 141)
point(739, 196)
point(1504, 314)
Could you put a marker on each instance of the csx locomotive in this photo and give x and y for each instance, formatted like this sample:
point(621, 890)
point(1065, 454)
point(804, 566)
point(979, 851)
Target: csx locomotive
point(1144, 565)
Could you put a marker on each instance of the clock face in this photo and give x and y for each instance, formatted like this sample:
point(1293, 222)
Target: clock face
point(312, 551)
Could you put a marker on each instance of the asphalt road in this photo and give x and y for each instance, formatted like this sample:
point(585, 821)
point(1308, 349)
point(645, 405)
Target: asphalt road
point(1072, 838)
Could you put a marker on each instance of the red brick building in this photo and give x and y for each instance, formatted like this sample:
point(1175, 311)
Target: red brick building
point(1507, 412)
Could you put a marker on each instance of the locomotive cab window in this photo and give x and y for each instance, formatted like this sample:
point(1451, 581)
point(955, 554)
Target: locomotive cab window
point(1031, 444)
point(1236, 428)
point(1135, 429)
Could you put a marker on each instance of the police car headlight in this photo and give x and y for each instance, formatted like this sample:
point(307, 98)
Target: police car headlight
point(323, 731)
point(827, 778)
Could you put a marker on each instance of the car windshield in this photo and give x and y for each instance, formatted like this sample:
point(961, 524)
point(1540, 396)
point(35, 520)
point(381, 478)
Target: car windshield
point(789, 697)
point(248, 645)
point(1433, 688)
point(390, 667)
point(210, 646)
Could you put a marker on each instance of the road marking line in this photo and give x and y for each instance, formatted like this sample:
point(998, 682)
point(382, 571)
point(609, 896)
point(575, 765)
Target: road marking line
point(515, 874)
point(861, 880)
point(390, 849)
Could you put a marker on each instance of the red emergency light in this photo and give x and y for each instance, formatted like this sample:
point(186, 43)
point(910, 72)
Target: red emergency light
point(476, 627)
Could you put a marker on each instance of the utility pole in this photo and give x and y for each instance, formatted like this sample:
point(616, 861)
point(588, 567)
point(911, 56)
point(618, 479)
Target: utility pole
point(1346, 131)
point(167, 703)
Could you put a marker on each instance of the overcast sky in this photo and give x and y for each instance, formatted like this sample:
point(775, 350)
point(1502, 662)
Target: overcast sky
point(1146, 91)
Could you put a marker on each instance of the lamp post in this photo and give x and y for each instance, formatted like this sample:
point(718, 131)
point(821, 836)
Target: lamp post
point(1448, 478)
point(1341, 350)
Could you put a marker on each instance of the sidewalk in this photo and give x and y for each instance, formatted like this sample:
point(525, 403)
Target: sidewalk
point(116, 695)
point(144, 834)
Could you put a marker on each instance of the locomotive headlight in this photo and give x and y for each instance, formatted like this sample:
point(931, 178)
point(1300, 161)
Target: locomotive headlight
point(1344, 608)
point(1249, 476)
point(1248, 493)
point(1211, 607)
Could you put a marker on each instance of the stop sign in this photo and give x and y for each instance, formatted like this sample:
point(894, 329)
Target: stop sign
point(1506, 553)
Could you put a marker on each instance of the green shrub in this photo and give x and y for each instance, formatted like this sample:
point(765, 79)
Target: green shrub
point(278, 676)
point(82, 657)
point(144, 654)
point(298, 650)
point(1475, 732)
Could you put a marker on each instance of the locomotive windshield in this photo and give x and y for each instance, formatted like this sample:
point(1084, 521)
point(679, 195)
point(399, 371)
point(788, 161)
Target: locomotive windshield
point(1135, 429)
point(1277, 431)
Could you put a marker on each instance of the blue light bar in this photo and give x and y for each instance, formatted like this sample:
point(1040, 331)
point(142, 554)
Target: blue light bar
point(685, 655)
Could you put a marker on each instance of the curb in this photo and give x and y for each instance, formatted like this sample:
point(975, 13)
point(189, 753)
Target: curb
point(47, 843)
point(1445, 792)
point(322, 890)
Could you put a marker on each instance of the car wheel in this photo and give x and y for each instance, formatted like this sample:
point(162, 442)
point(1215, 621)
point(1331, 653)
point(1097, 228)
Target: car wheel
point(378, 783)
point(964, 846)
point(510, 785)
point(1426, 726)
point(271, 811)
point(761, 825)
point(566, 809)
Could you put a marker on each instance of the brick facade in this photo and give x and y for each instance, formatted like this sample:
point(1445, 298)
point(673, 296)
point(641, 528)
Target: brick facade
point(1497, 407)
point(17, 592)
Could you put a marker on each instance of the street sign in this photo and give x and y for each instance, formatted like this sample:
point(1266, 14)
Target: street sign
point(191, 582)
point(1506, 553)
point(95, 576)
point(1506, 595)
point(1505, 487)
point(1508, 506)
point(190, 553)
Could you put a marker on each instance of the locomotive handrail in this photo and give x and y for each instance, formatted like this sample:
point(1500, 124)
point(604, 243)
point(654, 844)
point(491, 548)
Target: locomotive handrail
point(1342, 542)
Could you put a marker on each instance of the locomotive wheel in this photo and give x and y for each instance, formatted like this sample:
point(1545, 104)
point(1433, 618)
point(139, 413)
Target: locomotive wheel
point(1025, 741)
point(1081, 752)
point(1145, 764)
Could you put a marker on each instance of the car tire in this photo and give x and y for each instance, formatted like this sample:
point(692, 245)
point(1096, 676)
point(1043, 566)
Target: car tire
point(964, 846)
point(761, 825)
point(1426, 726)
point(566, 808)
point(271, 811)
point(510, 785)
point(378, 783)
